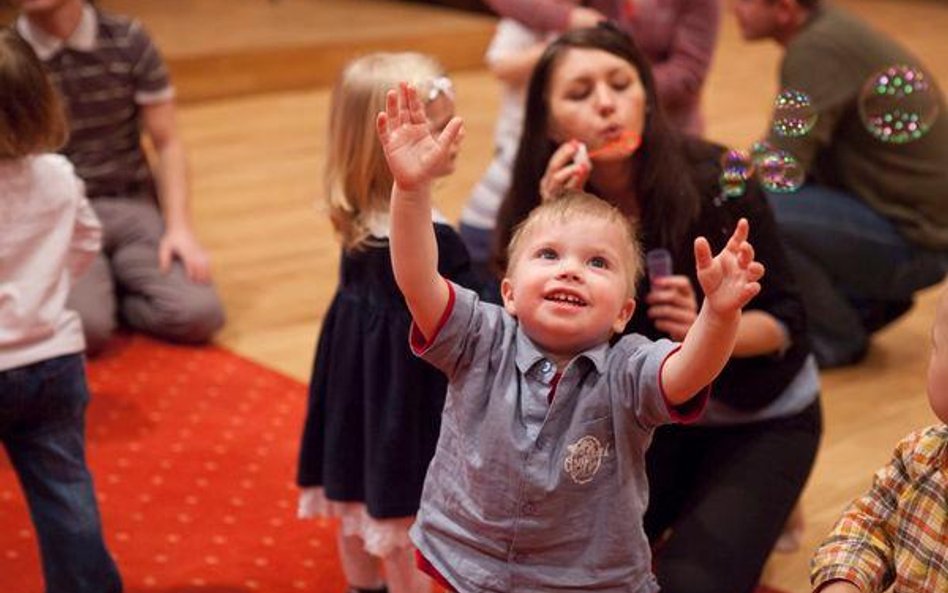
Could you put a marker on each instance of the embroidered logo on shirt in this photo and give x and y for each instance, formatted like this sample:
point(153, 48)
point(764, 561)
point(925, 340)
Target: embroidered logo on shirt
point(584, 459)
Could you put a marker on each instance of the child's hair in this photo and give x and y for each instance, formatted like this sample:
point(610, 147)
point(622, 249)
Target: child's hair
point(940, 325)
point(357, 180)
point(572, 204)
point(31, 116)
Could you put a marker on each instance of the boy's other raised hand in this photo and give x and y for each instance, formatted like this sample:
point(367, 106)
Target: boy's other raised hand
point(730, 279)
point(412, 152)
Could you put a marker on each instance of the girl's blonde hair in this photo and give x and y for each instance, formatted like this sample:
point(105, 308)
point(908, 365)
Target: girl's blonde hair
point(31, 116)
point(357, 181)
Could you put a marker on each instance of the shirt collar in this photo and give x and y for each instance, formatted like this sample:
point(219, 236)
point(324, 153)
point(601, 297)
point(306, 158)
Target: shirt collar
point(83, 39)
point(529, 355)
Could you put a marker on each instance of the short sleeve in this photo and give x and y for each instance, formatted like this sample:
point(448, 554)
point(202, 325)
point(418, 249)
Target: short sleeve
point(149, 72)
point(470, 331)
point(636, 365)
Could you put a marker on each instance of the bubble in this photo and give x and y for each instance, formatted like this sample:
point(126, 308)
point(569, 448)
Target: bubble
point(759, 150)
point(737, 162)
point(794, 115)
point(898, 104)
point(733, 184)
point(780, 172)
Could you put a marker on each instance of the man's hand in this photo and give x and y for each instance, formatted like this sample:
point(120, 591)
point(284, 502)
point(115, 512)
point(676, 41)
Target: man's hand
point(183, 245)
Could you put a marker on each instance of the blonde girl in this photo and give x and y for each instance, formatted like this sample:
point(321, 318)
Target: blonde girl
point(374, 409)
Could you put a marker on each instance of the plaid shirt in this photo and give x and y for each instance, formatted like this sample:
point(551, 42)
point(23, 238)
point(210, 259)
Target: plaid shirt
point(898, 532)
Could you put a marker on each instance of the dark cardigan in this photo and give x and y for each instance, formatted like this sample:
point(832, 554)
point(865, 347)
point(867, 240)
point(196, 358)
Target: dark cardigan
point(745, 383)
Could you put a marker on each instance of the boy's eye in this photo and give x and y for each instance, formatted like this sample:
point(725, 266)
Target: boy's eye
point(599, 262)
point(546, 253)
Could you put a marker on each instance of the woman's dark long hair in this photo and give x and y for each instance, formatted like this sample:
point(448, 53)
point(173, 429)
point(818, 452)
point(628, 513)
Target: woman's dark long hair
point(668, 201)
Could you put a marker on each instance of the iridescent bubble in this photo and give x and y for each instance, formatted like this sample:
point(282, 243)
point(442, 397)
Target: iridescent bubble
point(780, 172)
point(794, 114)
point(759, 150)
point(737, 162)
point(898, 104)
point(733, 184)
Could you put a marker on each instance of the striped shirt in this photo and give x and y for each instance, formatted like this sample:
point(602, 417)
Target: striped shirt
point(898, 532)
point(106, 70)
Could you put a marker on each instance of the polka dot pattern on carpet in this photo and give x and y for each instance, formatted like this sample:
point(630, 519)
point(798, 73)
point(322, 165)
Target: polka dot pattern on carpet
point(193, 452)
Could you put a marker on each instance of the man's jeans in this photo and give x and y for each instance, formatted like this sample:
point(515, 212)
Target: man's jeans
point(852, 267)
point(42, 425)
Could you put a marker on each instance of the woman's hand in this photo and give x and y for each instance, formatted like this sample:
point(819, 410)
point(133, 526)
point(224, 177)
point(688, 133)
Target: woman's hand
point(414, 156)
point(672, 305)
point(565, 171)
point(729, 280)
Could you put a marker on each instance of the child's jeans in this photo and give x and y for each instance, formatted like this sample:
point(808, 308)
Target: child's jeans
point(42, 427)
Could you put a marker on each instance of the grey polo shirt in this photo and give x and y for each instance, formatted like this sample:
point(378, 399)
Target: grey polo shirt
point(523, 495)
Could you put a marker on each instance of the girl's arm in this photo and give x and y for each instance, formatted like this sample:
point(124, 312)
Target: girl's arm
point(684, 69)
point(413, 156)
point(86, 235)
point(547, 15)
point(729, 281)
point(513, 52)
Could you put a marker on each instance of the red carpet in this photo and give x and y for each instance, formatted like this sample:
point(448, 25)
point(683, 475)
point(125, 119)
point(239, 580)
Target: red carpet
point(193, 451)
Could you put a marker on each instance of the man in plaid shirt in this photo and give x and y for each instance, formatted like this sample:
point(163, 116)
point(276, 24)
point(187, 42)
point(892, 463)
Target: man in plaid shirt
point(898, 532)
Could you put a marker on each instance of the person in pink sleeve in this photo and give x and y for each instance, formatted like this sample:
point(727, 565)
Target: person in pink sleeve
point(677, 36)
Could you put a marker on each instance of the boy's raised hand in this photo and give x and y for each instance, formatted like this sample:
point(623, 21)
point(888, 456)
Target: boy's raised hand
point(412, 152)
point(729, 280)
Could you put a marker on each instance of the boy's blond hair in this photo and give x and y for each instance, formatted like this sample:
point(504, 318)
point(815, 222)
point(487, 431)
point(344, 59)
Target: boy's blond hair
point(31, 116)
point(357, 181)
point(573, 204)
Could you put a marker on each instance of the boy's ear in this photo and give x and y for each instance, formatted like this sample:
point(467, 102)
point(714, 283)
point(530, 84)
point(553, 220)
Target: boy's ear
point(625, 314)
point(506, 293)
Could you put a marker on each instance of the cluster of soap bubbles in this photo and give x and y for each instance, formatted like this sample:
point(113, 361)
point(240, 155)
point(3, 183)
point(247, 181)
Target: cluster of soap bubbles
point(898, 104)
point(777, 170)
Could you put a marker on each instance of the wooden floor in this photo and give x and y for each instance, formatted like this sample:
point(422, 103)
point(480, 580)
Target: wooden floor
point(256, 163)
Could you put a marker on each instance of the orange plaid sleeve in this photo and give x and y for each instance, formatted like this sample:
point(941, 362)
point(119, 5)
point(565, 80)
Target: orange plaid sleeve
point(897, 532)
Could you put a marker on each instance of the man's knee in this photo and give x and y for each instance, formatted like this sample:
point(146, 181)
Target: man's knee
point(98, 326)
point(193, 322)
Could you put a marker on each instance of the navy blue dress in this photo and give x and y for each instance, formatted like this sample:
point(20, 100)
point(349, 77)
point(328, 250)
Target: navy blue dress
point(375, 408)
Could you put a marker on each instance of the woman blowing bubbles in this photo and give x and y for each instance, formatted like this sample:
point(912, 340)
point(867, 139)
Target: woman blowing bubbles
point(721, 490)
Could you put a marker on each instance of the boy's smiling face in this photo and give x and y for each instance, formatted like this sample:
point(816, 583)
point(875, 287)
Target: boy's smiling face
point(568, 284)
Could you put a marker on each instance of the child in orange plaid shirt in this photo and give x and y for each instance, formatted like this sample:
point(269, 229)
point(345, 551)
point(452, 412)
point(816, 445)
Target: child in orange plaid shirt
point(897, 533)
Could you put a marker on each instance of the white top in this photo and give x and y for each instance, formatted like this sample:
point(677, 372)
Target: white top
point(49, 235)
point(511, 38)
point(480, 211)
